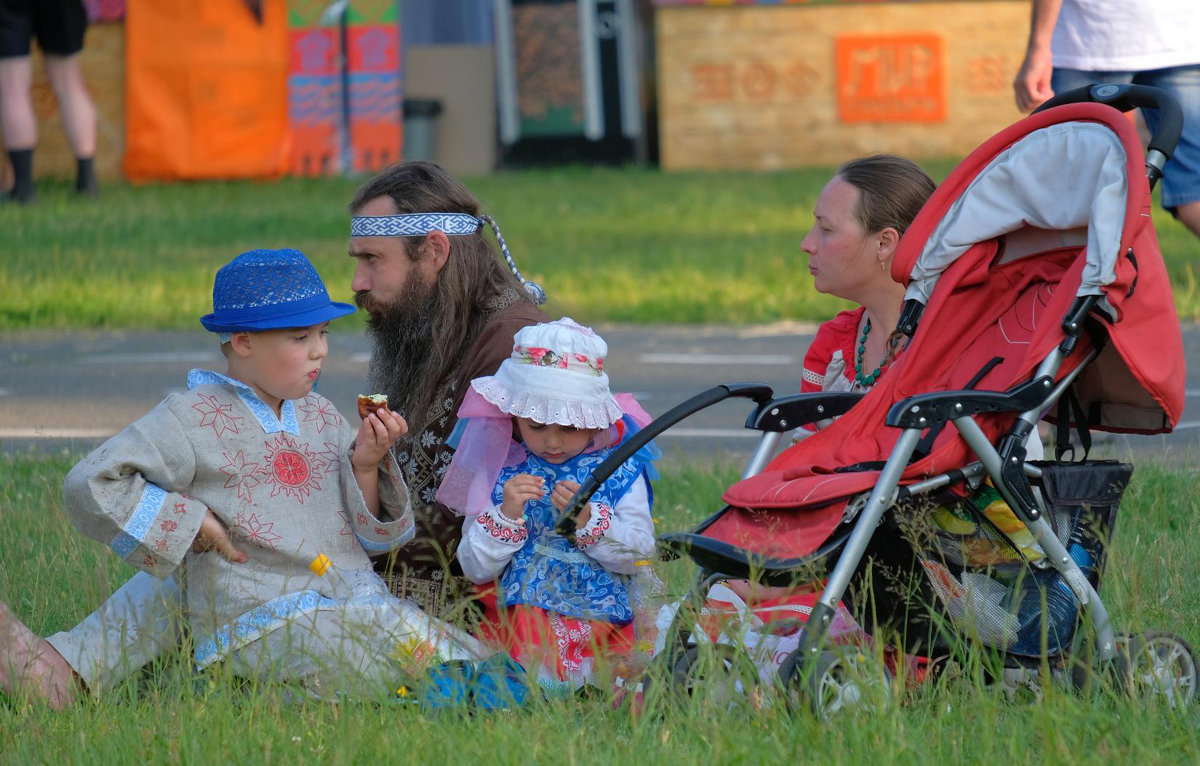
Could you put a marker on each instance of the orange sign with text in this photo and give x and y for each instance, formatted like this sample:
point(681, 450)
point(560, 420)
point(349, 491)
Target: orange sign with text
point(891, 78)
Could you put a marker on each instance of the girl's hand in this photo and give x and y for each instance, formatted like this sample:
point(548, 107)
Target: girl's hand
point(519, 490)
point(379, 431)
point(562, 494)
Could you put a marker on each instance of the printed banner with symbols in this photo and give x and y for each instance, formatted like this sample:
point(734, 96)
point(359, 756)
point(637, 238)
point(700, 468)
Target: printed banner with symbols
point(316, 81)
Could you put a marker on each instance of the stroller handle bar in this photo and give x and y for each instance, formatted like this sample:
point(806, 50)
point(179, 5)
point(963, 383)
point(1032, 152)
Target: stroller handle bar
point(759, 392)
point(1127, 98)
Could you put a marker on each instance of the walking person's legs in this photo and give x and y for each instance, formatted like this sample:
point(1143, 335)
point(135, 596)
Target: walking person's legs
point(1181, 175)
point(18, 123)
point(78, 117)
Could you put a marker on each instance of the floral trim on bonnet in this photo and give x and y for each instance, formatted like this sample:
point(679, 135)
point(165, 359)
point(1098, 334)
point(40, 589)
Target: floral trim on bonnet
point(544, 357)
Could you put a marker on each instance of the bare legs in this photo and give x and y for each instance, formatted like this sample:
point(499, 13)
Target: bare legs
point(17, 119)
point(74, 103)
point(19, 123)
point(30, 667)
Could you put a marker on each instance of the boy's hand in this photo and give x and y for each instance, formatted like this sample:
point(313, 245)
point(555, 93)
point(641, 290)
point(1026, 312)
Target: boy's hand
point(214, 537)
point(562, 494)
point(379, 431)
point(519, 490)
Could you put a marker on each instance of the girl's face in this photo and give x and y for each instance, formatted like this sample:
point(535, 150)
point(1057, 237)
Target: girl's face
point(283, 364)
point(841, 253)
point(554, 443)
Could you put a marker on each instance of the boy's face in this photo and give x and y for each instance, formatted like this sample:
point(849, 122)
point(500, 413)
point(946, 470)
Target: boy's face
point(554, 443)
point(283, 364)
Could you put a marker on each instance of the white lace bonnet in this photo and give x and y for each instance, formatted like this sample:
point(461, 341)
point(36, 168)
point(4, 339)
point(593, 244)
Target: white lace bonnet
point(555, 374)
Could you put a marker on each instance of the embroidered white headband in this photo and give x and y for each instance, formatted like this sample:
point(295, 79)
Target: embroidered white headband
point(453, 224)
point(413, 224)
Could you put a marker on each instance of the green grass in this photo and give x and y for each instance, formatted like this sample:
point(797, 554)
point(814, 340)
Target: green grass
point(52, 577)
point(608, 244)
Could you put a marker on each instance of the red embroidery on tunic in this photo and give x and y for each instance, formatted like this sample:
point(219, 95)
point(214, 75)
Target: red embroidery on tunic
point(149, 562)
point(346, 528)
point(502, 532)
point(291, 468)
point(169, 526)
point(382, 532)
point(161, 545)
point(180, 508)
point(327, 459)
point(216, 414)
point(250, 529)
point(241, 475)
point(321, 412)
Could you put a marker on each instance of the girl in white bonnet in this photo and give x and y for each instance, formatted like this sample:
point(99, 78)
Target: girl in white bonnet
point(533, 432)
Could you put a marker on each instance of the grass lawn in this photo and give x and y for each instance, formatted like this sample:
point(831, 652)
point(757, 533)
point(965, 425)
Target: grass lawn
point(608, 244)
point(52, 577)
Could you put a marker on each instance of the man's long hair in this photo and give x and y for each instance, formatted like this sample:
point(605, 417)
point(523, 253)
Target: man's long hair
point(421, 339)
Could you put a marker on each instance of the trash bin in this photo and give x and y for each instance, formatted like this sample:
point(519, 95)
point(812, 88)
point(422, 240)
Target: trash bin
point(420, 128)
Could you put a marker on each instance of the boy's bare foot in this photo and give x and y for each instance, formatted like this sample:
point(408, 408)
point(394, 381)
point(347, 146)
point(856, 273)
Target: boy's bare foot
point(31, 666)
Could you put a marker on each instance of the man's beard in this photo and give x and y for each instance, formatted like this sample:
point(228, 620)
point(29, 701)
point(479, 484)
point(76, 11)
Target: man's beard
point(401, 334)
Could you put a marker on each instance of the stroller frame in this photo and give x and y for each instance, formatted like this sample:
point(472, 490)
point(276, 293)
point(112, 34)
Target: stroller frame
point(1005, 463)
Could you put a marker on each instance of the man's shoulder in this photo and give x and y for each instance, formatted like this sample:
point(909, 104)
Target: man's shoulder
point(503, 325)
point(494, 342)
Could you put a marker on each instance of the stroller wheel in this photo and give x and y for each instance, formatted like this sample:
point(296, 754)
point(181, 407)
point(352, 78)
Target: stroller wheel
point(836, 681)
point(720, 675)
point(1156, 665)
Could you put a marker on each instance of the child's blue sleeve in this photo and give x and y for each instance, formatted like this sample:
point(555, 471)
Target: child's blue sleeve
point(456, 435)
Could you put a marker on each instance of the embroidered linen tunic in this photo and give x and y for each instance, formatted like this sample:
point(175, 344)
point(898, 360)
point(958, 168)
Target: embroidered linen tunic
point(283, 486)
point(538, 567)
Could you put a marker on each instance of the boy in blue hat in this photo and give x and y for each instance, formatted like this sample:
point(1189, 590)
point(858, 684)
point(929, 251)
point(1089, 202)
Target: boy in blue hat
point(261, 459)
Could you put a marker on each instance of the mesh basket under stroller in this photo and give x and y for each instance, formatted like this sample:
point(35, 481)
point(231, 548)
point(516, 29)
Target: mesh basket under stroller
point(992, 577)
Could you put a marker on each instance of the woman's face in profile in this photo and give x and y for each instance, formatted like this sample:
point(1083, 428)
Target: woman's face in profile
point(837, 245)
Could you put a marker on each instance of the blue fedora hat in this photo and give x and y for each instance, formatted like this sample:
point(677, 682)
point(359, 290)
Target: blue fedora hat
point(270, 290)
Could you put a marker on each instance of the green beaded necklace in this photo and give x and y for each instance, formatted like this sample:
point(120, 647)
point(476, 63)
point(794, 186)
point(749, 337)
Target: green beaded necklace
point(869, 380)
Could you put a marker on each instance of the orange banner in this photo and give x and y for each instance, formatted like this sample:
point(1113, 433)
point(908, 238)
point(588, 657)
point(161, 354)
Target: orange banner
point(206, 90)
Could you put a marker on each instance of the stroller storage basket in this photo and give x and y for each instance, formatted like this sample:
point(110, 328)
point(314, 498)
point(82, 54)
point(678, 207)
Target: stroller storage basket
point(993, 578)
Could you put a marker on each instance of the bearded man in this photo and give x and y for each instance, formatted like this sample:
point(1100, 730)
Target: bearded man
point(443, 310)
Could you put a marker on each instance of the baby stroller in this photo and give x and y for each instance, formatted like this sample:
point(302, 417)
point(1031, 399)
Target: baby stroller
point(1036, 290)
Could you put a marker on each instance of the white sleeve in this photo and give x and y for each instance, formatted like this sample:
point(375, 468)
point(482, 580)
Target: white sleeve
point(489, 541)
point(620, 539)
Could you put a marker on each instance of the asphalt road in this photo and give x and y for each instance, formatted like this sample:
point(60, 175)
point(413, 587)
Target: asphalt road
point(70, 390)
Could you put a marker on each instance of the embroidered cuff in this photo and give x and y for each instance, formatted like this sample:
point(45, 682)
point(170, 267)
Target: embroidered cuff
point(396, 527)
point(160, 531)
point(503, 528)
point(597, 525)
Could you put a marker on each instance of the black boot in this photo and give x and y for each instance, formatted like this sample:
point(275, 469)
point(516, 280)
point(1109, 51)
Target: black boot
point(85, 178)
point(22, 162)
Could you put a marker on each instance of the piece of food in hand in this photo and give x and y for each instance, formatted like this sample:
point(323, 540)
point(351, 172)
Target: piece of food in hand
point(371, 403)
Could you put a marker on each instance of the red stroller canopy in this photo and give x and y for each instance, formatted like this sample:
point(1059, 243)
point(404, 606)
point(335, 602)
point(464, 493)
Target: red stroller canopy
point(1070, 176)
